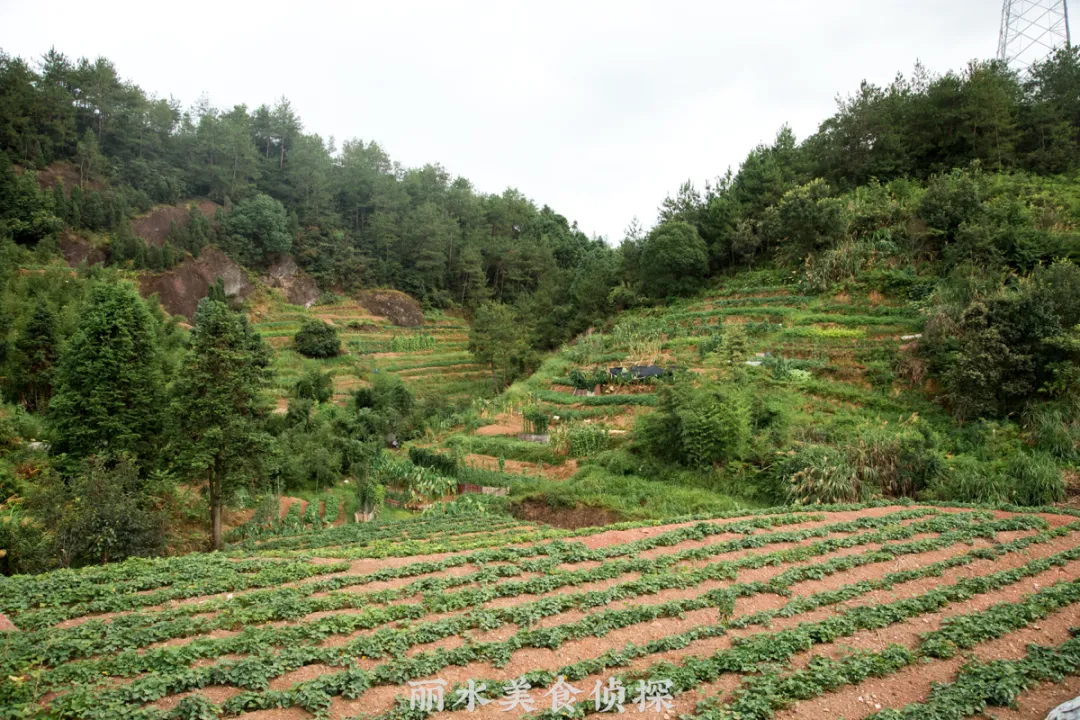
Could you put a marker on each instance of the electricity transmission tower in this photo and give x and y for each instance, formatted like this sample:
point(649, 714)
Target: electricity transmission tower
point(1031, 30)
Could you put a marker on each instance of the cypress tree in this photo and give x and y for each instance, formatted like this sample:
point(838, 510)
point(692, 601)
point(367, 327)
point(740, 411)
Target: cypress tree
point(217, 403)
point(109, 378)
point(30, 373)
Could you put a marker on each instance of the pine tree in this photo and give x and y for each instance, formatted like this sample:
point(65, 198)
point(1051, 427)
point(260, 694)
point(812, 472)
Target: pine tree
point(168, 255)
point(93, 211)
point(109, 378)
point(122, 245)
point(218, 402)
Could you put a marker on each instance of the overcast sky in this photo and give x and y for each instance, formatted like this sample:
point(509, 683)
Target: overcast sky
point(598, 108)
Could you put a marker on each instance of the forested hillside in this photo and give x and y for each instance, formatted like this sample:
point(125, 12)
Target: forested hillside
point(888, 307)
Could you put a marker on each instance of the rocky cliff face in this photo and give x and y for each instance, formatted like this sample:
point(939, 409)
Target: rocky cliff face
point(402, 309)
point(181, 288)
point(299, 287)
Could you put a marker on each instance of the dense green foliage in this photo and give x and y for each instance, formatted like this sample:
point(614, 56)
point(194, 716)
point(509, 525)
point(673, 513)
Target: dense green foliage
point(350, 215)
point(216, 403)
point(697, 426)
point(946, 204)
point(109, 381)
point(317, 340)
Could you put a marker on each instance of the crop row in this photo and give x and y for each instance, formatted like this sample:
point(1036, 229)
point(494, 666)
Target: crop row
point(647, 585)
point(40, 604)
point(363, 534)
point(759, 697)
point(138, 630)
point(997, 683)
point(316, 695)
point(750, 654)
point(64, 587)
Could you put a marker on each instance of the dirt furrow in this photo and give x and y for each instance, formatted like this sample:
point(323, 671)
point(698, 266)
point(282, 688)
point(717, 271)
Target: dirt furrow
point(530, 659)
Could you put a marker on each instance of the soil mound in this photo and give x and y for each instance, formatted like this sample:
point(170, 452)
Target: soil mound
point(539, 511)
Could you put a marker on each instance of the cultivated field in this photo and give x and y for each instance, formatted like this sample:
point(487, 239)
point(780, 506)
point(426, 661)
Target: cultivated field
point(888, 611)
point(827, 364)
point(432, 357)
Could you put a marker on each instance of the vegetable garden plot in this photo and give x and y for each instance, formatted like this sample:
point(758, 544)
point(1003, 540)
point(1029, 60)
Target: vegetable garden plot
point(724, 617)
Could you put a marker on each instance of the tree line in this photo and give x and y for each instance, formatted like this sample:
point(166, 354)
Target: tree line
point(956, 192)
point(350, 215)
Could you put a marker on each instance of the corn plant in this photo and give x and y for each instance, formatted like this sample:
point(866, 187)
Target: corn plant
point(412, 342)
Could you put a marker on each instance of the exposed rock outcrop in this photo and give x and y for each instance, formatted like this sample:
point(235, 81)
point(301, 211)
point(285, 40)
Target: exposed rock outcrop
point(181, 288)
point(154, 226)
point(401, 309)
point(299, 287)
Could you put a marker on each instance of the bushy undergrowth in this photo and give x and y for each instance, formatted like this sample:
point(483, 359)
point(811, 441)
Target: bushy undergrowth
point(317, 339)
point(696, 425)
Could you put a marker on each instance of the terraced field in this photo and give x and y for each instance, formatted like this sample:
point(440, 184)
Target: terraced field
point(881, 611)
point(829, 360)
point(429, 358)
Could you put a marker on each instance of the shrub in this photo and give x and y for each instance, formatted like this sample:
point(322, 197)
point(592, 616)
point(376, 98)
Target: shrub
point(820, 474)
point(292, 522)
point(314, 385)
point(28, 544)
point(311, 515)
point(439, 462)
point(536, 420)
point(370, 495)
point(695, 426)
point(588, 380)
point(968, 480)
point(266, 512)
point(899, 465)
point(711, 343)
point(333, 510)
point(101, 513)
point(579, 439)
point(618, 462)
point(317, 339)
point(1036, 479)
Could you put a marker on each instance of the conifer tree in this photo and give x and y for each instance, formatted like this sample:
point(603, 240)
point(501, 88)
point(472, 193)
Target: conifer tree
point(109, 378)
point(30, 372)
point(217, 403)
